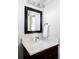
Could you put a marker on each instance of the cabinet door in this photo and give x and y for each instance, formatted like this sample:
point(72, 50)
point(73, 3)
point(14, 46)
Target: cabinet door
point(51, 53)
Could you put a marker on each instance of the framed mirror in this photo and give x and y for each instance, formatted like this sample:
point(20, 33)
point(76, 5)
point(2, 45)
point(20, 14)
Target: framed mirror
point(33, 20)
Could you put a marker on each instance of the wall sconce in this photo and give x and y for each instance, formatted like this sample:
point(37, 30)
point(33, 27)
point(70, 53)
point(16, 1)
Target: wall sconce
point(46, 31)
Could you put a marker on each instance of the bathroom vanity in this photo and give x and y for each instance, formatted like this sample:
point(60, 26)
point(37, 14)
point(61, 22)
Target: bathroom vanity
point(34, 45)
point(41, 49)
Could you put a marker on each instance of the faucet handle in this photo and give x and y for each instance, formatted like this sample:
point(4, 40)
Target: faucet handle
point(37, 38)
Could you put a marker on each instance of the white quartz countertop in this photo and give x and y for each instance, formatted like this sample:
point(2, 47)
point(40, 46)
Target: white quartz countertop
point(34, 47)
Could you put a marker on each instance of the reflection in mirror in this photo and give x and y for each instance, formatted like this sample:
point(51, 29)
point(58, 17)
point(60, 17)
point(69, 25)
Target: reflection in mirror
point(33, 21)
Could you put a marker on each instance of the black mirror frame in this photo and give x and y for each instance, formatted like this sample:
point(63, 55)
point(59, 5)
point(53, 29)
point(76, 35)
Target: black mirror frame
point(26, 20)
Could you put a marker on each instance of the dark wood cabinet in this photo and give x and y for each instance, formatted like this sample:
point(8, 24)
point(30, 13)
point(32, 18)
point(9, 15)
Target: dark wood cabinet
point(50, 53)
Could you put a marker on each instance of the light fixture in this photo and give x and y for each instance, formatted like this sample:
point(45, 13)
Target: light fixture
point(37, 3)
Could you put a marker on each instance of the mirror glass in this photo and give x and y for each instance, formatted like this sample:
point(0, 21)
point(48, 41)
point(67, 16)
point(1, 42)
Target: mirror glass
point(33, 21)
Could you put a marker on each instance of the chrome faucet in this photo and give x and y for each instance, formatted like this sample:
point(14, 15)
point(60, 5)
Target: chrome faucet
point(37, 38)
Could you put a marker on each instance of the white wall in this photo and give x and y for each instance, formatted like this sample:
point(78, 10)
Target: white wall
point(51, 16)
